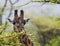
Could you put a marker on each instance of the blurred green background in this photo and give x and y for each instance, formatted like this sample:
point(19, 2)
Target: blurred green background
point(43, 27)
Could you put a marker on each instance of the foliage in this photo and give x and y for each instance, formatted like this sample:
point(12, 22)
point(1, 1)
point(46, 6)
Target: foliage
point(52, 1)
point(43, 25)
point(34, 28)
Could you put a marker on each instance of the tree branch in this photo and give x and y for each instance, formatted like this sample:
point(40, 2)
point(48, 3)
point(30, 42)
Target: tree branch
point(9, 13)
point(3, 8)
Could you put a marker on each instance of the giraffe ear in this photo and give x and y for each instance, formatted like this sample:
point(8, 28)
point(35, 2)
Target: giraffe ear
point(24, 22)
point(27, 20)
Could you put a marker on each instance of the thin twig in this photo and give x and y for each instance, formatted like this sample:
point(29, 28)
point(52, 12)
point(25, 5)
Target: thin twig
point(9, 14)
point(3, 8)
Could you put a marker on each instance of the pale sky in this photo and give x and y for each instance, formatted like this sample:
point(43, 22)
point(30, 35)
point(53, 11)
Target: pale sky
point(48, 8)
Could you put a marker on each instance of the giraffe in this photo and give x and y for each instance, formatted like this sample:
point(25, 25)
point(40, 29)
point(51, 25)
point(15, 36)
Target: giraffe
point(18, 23)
